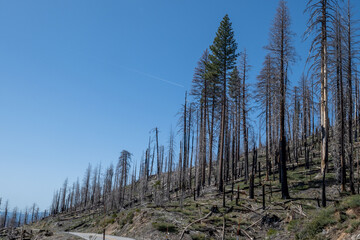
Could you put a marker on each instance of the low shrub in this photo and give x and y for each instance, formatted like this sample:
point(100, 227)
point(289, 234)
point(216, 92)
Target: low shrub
point(324, 218)
point(164, 227)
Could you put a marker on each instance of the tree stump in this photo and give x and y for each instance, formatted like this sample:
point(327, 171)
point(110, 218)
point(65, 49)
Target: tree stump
point(224, 196)
point(259, 173)
point(214, 209)
point(251, 186)
point(238, 196)
point(263, 196)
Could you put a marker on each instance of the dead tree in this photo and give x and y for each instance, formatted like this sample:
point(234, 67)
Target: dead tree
point(337, 61)
point(264, 87)
point(107, 187)
point(350, 52)
point(63, 197)
point(305, 116)
point(5, 214)
point(321, 14)
point(244, 69)
point(281, 48)
point(122, 171)
point(170, 163)
point(86, 186)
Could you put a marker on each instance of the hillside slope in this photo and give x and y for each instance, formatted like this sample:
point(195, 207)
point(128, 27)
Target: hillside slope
point(205, 217)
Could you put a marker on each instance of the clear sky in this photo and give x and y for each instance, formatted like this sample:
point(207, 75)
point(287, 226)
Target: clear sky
point(82, 80)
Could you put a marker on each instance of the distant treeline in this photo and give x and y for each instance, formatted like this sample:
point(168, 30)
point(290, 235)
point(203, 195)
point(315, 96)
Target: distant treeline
point(17, 218)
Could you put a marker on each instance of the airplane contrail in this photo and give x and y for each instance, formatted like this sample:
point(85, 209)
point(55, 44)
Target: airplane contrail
point(152, 76)
point(137, 71)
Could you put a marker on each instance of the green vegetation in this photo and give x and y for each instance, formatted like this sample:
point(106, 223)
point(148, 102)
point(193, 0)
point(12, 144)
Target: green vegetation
point(164, 227)
point(322, 219)
point(198, 226)
point(157, 183)
point(271, 232)
point(198, 236)
point(350, 202)
point(293, 225)
point(128, 219)
point(354, 224)
point(217, 221)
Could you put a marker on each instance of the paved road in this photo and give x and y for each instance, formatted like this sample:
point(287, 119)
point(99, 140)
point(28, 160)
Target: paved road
point(94, 236)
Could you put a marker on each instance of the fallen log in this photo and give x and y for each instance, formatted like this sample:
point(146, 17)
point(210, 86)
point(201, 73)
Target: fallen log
point(183, 232)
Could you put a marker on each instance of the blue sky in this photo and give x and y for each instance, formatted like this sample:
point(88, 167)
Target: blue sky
point(82, 80)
